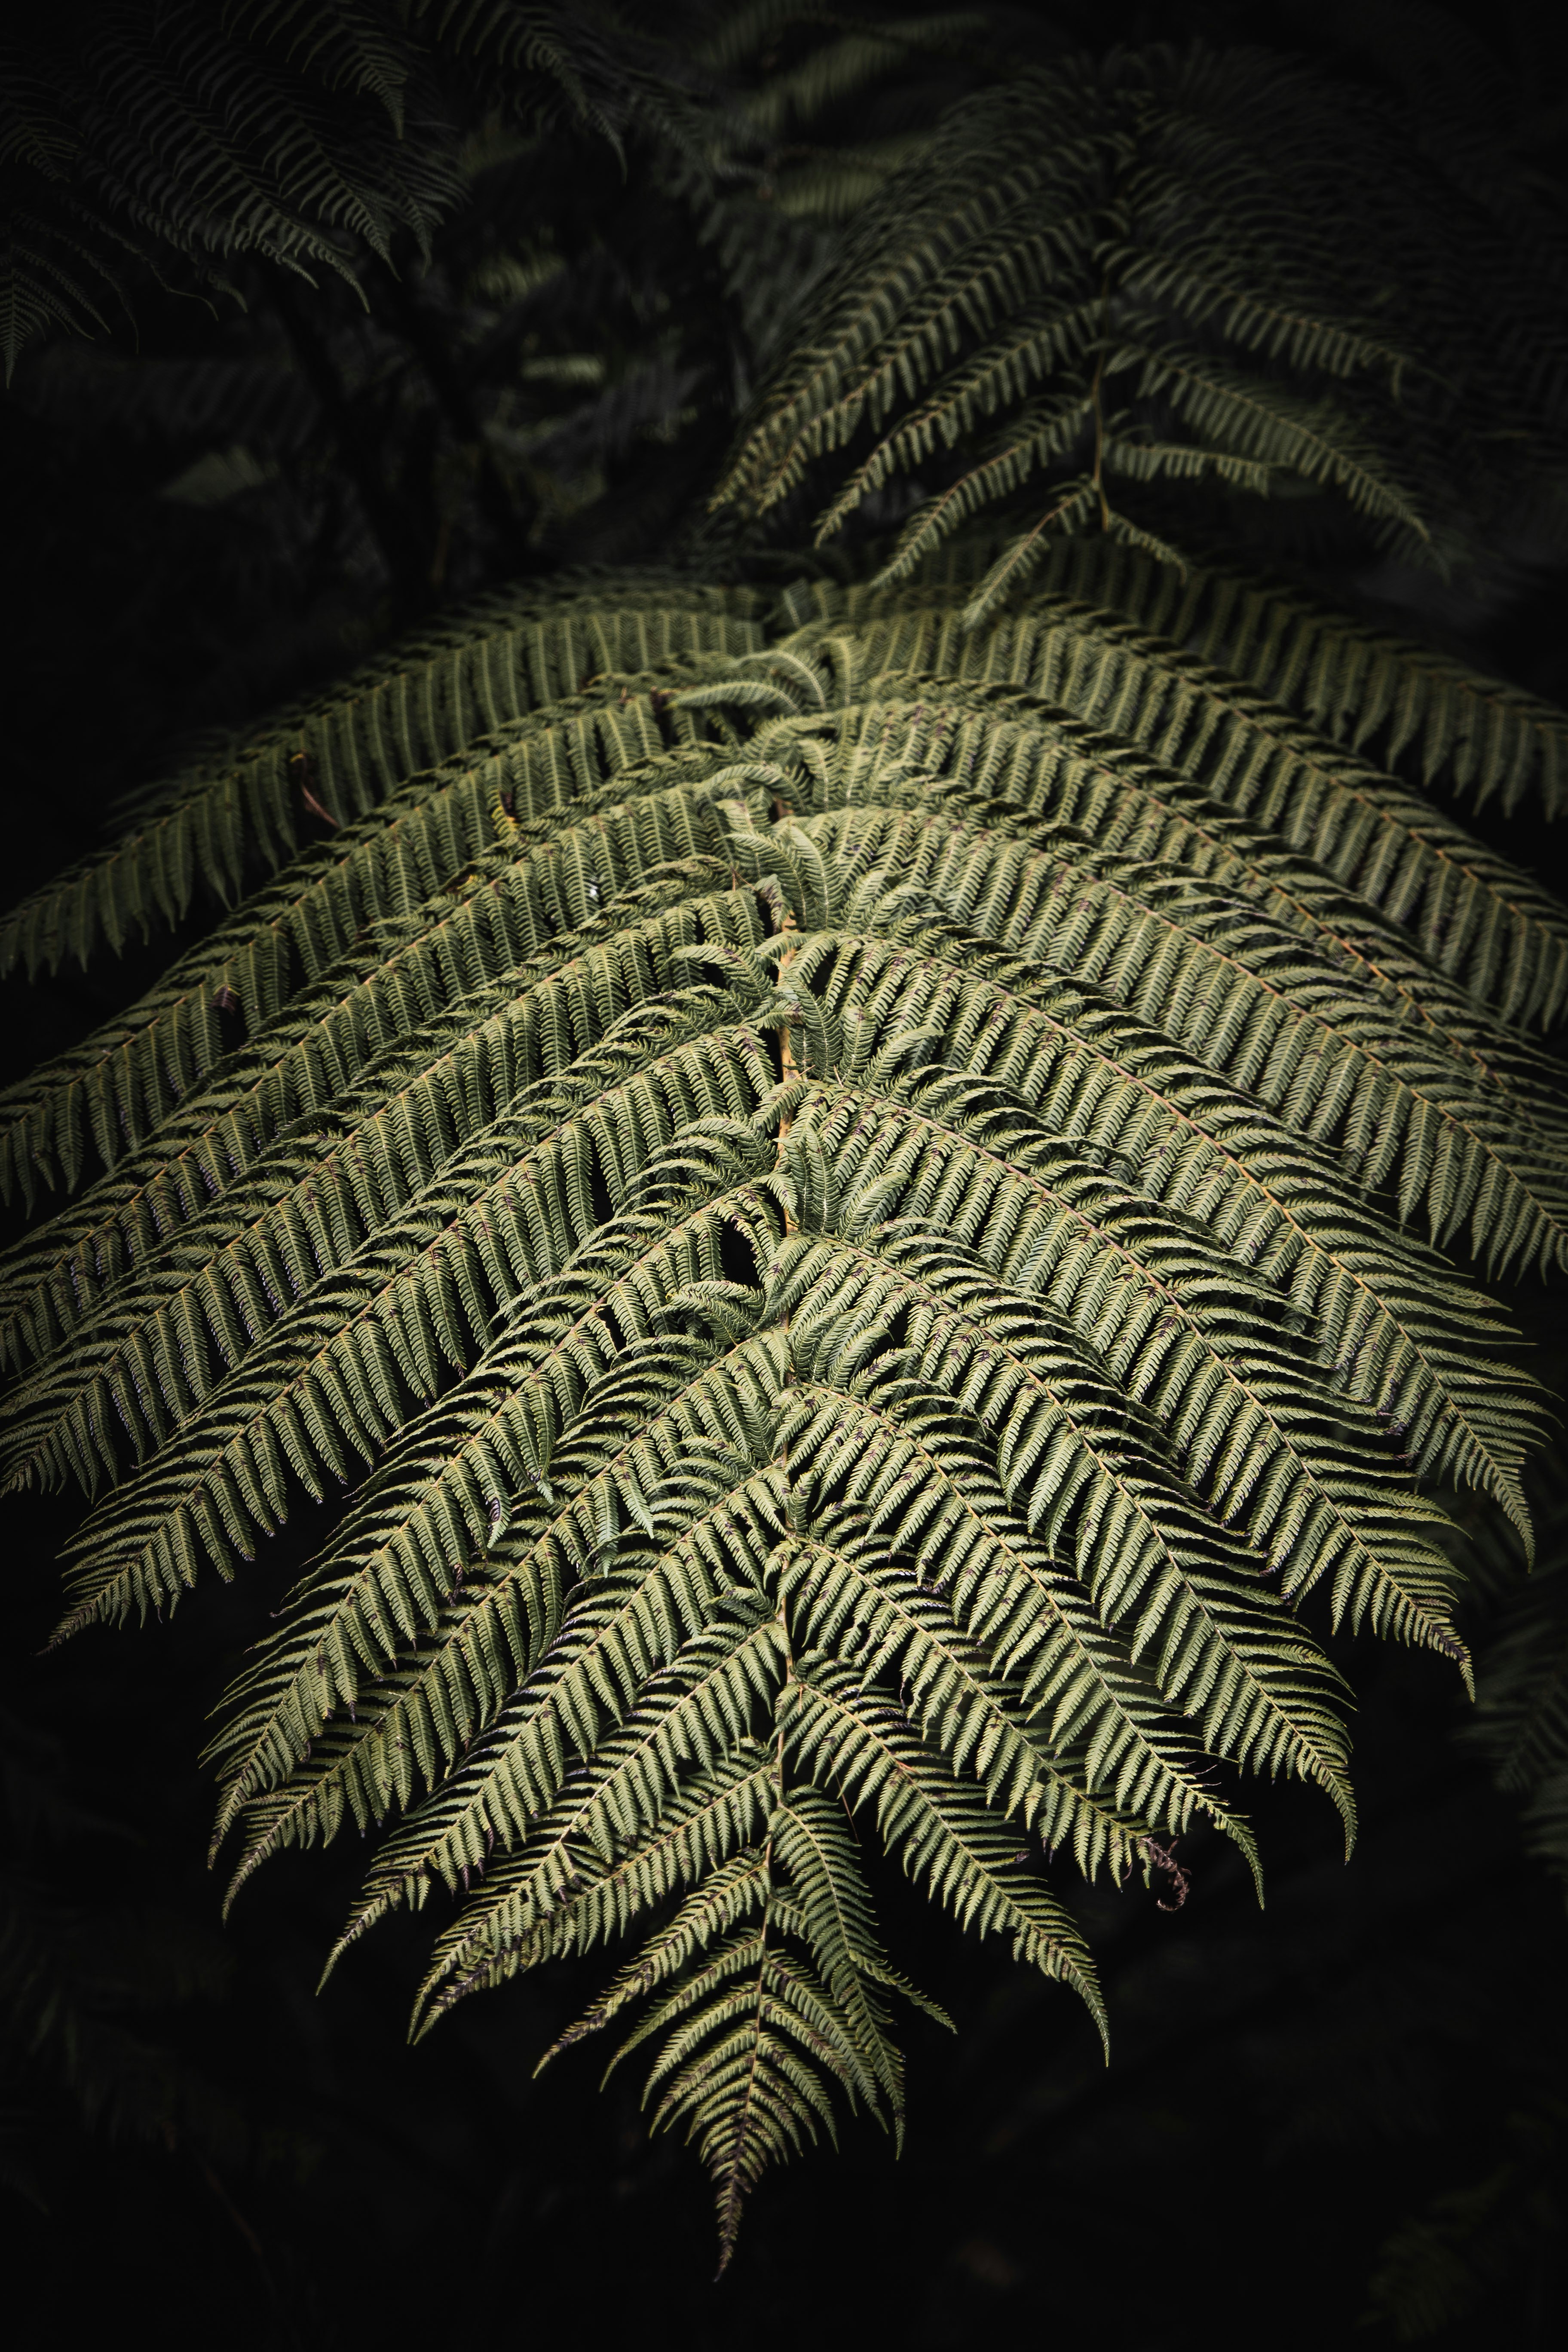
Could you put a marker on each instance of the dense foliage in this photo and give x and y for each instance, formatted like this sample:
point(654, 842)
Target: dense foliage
point(875, 1162)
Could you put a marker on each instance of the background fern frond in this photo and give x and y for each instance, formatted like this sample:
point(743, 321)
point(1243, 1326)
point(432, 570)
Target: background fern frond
point(1156, 249)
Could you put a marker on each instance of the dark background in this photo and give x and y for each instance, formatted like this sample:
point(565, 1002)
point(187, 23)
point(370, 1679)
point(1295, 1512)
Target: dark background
point(1351, 2107)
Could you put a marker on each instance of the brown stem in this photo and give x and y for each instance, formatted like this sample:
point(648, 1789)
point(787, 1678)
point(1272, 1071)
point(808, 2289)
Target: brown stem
point(788, 1066)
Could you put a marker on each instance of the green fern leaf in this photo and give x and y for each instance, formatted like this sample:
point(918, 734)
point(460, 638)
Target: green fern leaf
point(865, 1251)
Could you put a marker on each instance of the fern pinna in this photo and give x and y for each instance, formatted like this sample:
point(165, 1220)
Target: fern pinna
point(862, 1205)
point(1160, 293)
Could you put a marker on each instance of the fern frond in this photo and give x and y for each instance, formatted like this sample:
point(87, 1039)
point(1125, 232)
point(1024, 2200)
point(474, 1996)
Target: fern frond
point(1395, 1324)
point(995, 747)
point(753, 2033)
point(839, 70)
point(397, 1013)
point(1263, 1012)
point(864, 1249)
point(165, 1335)
point(409, 710)
point(694, 1838)
point(189, 139)
point(430, 841)
point(850, 1598)
point(1357, 682)
point(301, 1209)
point(468, 1465)
point(1471, 913)
point(1149, 278)
point(420, 1300)
point(942, 1833)
point(1253, 1696)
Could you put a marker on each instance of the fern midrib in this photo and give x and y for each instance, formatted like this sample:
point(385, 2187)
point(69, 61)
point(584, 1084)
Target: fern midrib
point(555, 964)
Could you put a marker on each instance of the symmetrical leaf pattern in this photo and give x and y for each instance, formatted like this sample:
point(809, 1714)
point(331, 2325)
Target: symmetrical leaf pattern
point(861, 1203)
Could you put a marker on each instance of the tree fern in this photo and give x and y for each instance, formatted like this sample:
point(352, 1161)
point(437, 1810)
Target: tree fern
point(860, 1179)
point(875, 1242)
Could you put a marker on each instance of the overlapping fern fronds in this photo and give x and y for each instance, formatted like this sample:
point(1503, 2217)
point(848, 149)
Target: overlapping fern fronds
point(861, 1203)
point(1117, 291)
point(185, 138)
point(1419, 709)
point(820, 112)
point(914, 301)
